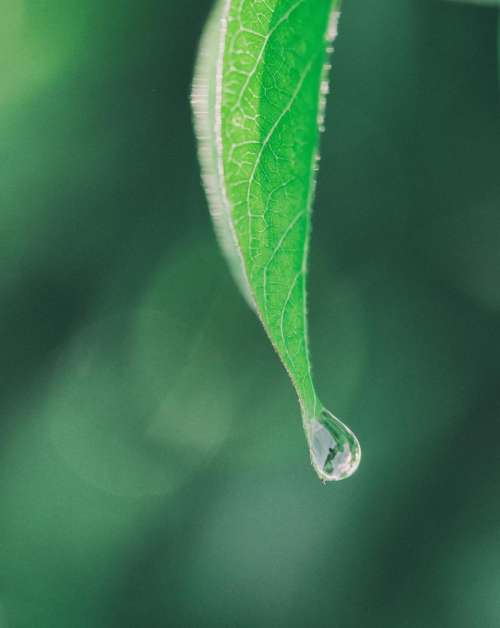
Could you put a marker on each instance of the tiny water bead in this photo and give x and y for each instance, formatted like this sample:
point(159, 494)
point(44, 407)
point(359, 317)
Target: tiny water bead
point(335, 450)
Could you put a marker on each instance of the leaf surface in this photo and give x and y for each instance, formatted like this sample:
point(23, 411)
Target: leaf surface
point(258, 97)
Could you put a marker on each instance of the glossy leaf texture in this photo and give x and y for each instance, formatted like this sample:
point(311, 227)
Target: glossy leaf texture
point(258, 98)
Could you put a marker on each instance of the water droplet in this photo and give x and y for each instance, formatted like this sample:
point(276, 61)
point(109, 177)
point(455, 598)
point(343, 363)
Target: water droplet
point(335, 450)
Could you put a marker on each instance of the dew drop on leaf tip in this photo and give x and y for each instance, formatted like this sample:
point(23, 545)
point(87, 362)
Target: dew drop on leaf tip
point(335, 450)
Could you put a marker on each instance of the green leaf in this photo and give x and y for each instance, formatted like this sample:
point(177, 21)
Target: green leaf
point(258, 97)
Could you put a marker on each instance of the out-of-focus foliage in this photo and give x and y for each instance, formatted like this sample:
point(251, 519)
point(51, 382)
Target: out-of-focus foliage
point(142, 480)
point(487, 3)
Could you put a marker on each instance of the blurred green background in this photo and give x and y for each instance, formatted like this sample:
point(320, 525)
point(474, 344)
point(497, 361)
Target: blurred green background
point(153, 470)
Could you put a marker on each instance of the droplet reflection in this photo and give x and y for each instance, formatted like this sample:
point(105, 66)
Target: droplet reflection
point(335, 450)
